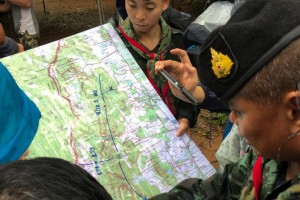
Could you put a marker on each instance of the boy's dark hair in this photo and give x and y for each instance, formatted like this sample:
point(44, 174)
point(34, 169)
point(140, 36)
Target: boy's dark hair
point(49, 179)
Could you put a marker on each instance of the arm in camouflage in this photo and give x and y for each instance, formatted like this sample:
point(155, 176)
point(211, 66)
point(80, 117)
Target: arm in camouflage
point(220, 186)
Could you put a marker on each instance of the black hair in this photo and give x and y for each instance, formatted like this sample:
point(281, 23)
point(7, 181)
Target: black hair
point(48, 179)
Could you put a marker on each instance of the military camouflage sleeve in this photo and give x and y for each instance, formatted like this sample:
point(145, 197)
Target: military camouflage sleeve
point(197, 189)
point(189, 189)
point(220, 186)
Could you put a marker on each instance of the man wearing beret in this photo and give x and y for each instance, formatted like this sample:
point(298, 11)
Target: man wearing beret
point(253, 63)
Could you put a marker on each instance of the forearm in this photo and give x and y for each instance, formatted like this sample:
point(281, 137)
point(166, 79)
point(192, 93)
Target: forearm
point(188, 189)
point(21, 3)
point(9, 47)
point(199, 93)
point(3, 39)
point(219, 186)
point(4, 8)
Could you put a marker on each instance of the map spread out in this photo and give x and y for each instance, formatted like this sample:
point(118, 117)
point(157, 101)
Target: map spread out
point(100, 112)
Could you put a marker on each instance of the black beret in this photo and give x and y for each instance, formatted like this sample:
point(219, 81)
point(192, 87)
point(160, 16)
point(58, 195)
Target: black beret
point(236, 51)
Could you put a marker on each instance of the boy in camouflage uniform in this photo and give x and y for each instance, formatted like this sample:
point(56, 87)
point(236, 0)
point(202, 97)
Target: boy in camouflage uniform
point(148, 38)
point(253, 62)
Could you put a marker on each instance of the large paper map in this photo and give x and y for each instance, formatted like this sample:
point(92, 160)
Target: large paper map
point(100, 112)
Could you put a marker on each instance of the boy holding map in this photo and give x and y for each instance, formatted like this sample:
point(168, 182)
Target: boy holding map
point(149, 38)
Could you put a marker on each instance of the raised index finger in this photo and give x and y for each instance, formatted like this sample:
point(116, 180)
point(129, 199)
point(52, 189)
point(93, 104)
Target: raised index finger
point(182, 54)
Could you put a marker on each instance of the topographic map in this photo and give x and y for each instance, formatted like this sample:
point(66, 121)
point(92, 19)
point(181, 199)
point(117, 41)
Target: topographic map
point(100, 112)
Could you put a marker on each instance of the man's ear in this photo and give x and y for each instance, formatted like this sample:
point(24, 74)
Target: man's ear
point(166, 4)
point(292, 100)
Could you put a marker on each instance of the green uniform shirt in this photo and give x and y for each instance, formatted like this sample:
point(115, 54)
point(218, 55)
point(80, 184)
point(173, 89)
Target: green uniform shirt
point(236, 183)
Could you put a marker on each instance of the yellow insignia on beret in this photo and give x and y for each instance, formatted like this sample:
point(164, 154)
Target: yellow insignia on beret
point(221, 64)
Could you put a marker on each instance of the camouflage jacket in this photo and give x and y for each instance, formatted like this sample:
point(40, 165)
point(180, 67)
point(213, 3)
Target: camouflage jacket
point(236, 183)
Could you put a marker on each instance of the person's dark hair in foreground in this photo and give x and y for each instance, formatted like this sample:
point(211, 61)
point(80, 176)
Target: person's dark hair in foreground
point(48, 179)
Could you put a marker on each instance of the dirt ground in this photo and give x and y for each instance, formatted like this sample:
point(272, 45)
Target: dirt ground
point(62, 18)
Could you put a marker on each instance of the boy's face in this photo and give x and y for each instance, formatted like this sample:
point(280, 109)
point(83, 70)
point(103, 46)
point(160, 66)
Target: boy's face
point(145, 14)
point(265, 127)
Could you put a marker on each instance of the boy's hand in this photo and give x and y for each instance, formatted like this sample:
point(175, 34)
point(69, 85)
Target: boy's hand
point(182, 71)
point(21, 47)
point(184, 127)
